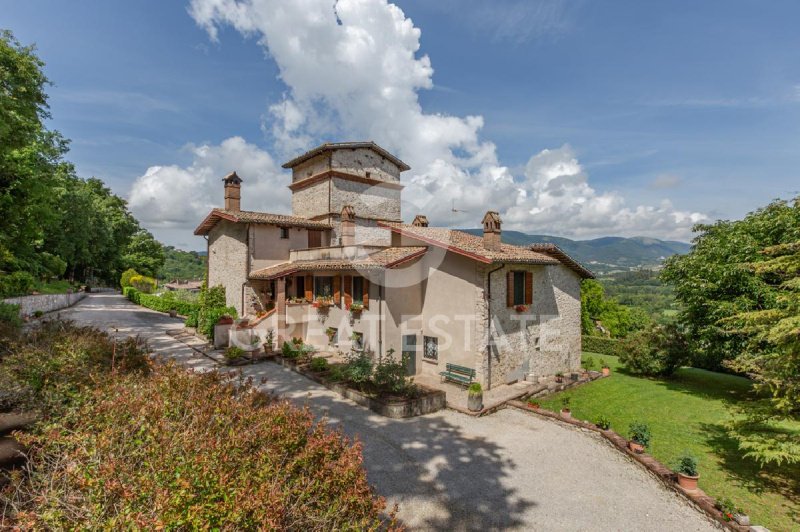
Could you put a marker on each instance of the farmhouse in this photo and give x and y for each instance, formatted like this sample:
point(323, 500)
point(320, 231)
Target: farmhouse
point(345, 271)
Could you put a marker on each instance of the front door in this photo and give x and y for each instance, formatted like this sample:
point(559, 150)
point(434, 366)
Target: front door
point(410, 353)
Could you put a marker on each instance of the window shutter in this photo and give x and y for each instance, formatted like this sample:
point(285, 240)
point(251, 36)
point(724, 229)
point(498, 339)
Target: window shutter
point(309, 288)
point(366, 294)
point(510, 289)
point(348, 291)
point(528, 288)
point(337, 295)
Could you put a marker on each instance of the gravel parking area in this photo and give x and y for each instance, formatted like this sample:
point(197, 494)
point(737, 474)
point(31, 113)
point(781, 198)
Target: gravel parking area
point(449, 471)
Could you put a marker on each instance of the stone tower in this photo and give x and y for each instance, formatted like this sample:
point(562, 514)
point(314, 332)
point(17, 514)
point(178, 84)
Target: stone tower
point(361, 175)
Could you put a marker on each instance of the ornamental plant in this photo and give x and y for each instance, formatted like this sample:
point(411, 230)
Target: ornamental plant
point(234, 353)
point(640, 433)
point(603, 423)
point(475, 388)
point(687, 465)
point(319, 364)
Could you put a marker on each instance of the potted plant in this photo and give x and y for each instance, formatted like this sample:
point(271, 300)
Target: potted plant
point(731, 512)
point(687, 472)
point(330, 332)
point(269, 342)
point(225, 319)
point(173, 313)
point(560, 376)
point(606, 370)
point(639, 434)
point(565, 411)
point(475, 397)
point(588, 365)
point(233, 355)
point(603, 423)
point(356, 307)
point(533, 404)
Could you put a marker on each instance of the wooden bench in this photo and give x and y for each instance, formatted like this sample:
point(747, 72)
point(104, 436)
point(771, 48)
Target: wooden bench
point(460, 374)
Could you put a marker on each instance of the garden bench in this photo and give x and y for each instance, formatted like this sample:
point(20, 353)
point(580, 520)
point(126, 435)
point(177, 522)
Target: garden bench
point(460, 374)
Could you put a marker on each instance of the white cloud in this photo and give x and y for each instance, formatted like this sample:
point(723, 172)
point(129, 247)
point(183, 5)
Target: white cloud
point(176, 198)
point(353, 71)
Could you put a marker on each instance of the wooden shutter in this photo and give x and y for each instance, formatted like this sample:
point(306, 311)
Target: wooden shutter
point(337, 294)
point(365, 284)
point(528, 288)
point(309, 287)
point(510, 289)
point(348, 291)
point(314, 239)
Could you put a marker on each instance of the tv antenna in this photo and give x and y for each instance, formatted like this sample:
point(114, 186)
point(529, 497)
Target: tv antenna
point(454, 207)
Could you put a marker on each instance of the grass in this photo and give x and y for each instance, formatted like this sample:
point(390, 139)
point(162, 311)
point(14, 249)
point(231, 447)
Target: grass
point(54, 287)
point(688, 412)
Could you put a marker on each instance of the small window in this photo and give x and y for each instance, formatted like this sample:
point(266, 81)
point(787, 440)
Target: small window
point(323, 287)
point(300, 286)
point(284, 232)
point(519, 288)
point(431, 348)
point(358, 289)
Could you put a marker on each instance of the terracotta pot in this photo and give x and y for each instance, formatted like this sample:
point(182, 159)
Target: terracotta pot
point(606, 372)
point(225, 321)
point(566, 413)
point(534, 407)
point(638, 448)
point(687, 482)
point(475, 402)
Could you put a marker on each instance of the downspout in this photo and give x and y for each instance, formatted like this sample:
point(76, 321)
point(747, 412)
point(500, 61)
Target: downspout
point(246, 269)
point(380, 320)
point(489, 324)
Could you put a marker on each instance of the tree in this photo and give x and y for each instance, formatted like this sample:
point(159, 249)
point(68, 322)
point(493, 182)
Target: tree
point(144, 254)
point(716, 280)
point(618, 319)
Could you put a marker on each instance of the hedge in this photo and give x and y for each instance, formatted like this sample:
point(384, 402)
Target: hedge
point(602, 345)
point(160, 303)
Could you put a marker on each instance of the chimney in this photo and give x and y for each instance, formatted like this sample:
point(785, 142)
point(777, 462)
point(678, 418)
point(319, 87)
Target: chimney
point(348, 237)
point(420, 221)
point(491, 231)
point(232, 192)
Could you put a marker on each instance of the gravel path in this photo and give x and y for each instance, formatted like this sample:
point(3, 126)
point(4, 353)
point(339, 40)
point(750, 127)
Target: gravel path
point(448, 471)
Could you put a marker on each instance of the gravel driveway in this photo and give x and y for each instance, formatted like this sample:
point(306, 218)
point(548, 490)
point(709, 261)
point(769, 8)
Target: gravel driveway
point(448, 471)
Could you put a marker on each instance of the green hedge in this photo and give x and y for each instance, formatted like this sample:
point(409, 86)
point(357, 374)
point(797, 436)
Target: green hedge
point(160, 303)
point(208, 317)
point(602, 345)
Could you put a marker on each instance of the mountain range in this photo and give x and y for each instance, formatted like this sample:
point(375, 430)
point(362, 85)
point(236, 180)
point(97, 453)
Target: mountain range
point(607, 253)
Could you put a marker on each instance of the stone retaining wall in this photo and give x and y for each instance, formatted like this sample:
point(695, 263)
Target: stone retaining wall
point(28, 305)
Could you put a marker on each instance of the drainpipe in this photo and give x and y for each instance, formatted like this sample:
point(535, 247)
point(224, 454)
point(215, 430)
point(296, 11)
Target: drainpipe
point(489, 324)
point(380, 319)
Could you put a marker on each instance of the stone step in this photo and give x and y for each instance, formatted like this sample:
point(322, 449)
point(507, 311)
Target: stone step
point(12, 422)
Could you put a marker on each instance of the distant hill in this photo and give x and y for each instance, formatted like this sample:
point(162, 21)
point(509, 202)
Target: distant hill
point(182, 265)
point(606, 253)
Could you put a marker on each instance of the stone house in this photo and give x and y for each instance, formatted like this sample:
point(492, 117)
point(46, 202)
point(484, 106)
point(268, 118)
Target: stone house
point(344, 271)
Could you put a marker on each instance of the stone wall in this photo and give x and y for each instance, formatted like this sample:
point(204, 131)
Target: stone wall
point(364, 161)
point(227, 260)
point(369, 201)
point(28, 305)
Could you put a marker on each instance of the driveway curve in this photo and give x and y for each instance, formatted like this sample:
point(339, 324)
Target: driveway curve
point(448, 471)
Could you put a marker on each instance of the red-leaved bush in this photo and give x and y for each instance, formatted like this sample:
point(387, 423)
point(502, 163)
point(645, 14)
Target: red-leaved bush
point(179, 450)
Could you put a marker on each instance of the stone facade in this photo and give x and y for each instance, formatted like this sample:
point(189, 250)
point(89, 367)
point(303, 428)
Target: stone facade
point(227, 260)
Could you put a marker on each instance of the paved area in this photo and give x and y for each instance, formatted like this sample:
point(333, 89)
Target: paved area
point(450, 471)
point(457, 395)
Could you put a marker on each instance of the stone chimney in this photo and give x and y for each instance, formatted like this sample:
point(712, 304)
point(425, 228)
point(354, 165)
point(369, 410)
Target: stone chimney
point(420, 220)
point(233, 192)
point(348, 218)
point(491, 231)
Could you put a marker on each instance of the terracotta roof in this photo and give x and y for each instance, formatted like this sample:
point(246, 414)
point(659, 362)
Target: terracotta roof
point(253, 217)
point(386, 258)
point(472, 246)
point(557, 252)
point(330, 146)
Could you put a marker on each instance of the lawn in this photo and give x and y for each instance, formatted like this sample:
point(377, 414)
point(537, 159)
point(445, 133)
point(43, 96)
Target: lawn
point(687, 413)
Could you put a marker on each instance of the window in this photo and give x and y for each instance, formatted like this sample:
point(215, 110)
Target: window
point(358, 340)
point(323, 287)
point(519, 288)
point(358, 289)
point(284, 232)
point(300, 287)
point(431, 348)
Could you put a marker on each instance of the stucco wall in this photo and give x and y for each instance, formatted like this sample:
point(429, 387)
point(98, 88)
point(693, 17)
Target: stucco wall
point(28, 305)
point(268, 248)
point(227, 261)
point(362, 161)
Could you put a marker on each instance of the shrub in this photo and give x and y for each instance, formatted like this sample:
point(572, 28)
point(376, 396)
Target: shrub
point(656, 351)
point(233, 353)
point(191, 318)
point(603, 422)
point(588, 363)
point(475, 388)
point(319, 364)
point(601, 345)
point(640, 433)
point(162, 303)
point(144, 284)
point(191, 451)
point(687, 465)
point(16, 284)
point(125, 278)
point(288, 351)
point(565, 402)
point(389, 375)
point(209, 317)
point(358, 369)
point(728, 508)
point(9, 314)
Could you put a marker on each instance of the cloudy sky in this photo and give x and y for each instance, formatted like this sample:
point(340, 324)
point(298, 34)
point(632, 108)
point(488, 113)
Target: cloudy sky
point(573, 118)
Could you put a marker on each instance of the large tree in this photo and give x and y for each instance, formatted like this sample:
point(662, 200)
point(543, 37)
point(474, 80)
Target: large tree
point(144, 254)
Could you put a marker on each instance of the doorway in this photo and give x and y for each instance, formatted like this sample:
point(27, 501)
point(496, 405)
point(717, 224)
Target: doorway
point(410, 353)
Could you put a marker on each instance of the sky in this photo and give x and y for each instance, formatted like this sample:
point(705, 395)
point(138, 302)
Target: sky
point(572, 118)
